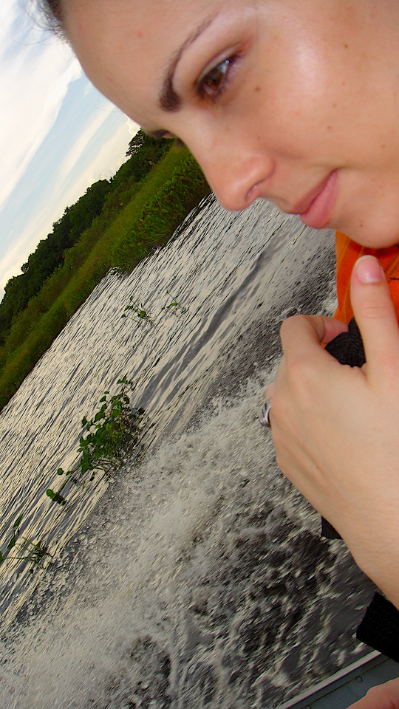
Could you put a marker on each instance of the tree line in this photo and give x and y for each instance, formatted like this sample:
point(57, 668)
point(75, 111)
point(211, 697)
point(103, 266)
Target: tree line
point(141, 208)
point(105, 198)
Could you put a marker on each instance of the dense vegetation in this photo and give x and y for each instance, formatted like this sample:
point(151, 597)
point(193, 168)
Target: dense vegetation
point(115, 224)
point(105, 197)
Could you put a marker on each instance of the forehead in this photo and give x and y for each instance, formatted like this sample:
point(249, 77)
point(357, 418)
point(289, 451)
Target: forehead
point(127, 46)
point(126, 43)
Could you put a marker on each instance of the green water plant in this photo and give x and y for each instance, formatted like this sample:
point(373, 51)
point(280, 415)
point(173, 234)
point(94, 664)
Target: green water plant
point(55, 496)
point(175, 307)
point(114, 429)
point(15, 534)
point(139, 310)
point(31, 551)
point(25, 548)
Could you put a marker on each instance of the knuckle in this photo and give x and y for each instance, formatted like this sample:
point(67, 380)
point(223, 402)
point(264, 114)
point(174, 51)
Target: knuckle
point(290, 323)
point(296, 389)
point(374, 310)
point(300, 374)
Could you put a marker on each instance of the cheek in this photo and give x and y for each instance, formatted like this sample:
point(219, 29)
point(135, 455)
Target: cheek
point(294, 109)
point(309, 77)
point(318, 95)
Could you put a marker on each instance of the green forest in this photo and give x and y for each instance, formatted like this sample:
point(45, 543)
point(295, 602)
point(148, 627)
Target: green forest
point(115, 224)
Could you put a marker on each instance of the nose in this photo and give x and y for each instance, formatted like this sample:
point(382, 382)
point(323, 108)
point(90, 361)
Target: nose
point(237, 172)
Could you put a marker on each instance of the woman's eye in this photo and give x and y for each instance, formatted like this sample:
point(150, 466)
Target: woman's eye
point(213, 83)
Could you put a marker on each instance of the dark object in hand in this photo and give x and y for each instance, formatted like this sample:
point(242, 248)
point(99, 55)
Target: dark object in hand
point(347, 347)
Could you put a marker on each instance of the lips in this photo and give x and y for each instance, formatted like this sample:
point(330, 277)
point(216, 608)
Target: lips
point(315, 209)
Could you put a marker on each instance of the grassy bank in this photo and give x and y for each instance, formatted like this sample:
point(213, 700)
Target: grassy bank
point(168, 193)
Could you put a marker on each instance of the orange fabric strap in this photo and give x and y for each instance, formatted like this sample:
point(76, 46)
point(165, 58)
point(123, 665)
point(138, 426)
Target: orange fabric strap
point(347, 254)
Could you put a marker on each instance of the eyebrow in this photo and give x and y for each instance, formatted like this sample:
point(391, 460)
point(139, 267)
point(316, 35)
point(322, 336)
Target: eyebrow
point(169, 100)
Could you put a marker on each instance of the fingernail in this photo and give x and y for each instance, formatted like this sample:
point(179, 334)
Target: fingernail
point(369, 270)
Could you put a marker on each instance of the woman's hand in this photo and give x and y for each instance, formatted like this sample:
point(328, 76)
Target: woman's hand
point(336, 429)
point(385, 696)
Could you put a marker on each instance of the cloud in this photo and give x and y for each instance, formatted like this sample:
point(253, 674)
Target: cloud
point(82, 144)
point(57, 135)
point(34, 78)
point(104, 157)
point(60, 173)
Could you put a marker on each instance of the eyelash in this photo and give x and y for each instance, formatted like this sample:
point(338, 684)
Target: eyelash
point(205, 91)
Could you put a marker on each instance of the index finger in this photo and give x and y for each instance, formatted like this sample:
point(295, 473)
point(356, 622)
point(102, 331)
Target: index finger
point(302, 335)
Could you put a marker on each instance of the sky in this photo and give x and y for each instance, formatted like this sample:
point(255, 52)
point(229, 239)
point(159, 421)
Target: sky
point(58, 134)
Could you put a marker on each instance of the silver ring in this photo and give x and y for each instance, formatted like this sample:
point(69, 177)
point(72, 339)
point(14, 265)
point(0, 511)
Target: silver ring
point(264, 416)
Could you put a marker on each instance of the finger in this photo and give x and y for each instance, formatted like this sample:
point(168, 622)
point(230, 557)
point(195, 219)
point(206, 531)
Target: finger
point(332, 328)
point(302, 335)
point(384, 696)
point(375, 314)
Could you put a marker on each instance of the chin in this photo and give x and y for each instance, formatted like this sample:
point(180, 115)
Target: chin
point(373, 233)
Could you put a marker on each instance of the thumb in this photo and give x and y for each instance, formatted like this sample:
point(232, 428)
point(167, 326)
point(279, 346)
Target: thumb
point(375, 313)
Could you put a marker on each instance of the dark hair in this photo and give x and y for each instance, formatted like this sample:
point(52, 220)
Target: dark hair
point(52, 12)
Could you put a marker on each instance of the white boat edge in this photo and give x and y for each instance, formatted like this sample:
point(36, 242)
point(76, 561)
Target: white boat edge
point(313, 696)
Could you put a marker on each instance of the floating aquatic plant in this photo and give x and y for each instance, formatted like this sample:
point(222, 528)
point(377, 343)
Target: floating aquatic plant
point(175, 307)
point(26, 550)
point(139, 310)
point(114, 429)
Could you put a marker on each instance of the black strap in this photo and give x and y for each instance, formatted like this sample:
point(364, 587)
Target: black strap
point(347, 347)
point(380, 625)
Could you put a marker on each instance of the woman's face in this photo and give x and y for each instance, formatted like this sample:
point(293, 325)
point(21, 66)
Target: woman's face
point(295, 101)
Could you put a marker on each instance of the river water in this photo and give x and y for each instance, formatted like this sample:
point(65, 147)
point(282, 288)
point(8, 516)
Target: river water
point(195, 576)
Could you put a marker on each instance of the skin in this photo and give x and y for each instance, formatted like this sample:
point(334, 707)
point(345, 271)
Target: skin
point(335, 428)
point(277, 99)
point(293, 104)
point(385, 696)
